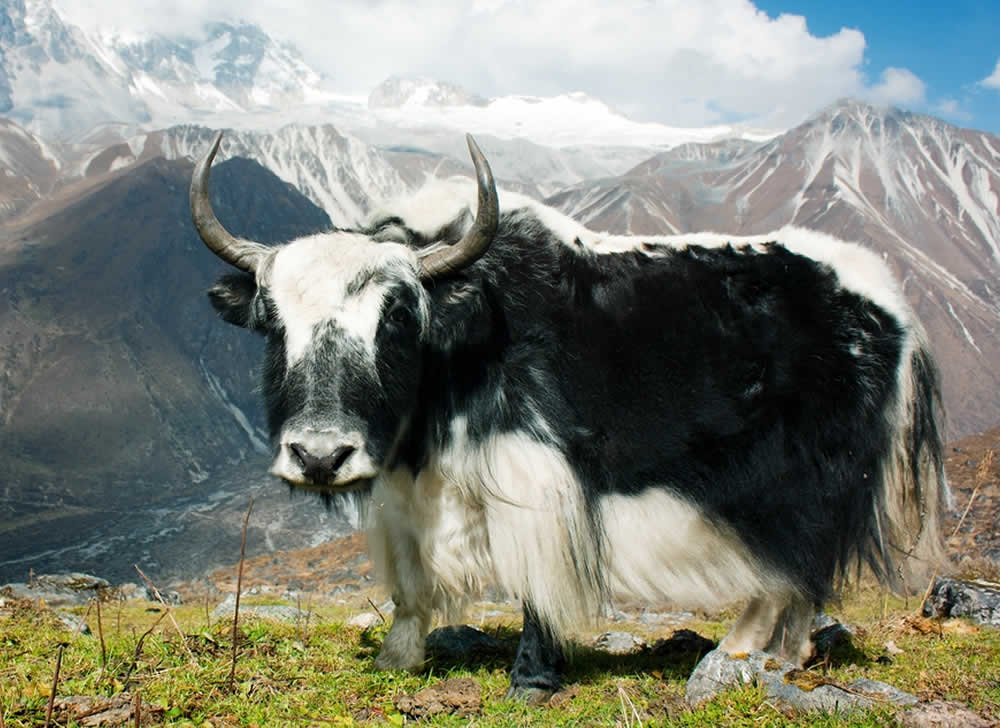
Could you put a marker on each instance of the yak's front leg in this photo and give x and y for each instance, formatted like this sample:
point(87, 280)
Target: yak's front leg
point(403, 647)
point(538, 666)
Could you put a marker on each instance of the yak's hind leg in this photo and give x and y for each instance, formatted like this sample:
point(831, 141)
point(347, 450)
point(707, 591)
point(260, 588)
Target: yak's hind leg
point(753, 629)
point(777, 625)
point(538, 666)
point(790, 640)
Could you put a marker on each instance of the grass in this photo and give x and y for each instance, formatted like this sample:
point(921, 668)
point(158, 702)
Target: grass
point(321, 674)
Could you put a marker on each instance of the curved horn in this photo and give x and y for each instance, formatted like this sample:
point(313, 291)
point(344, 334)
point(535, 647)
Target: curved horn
point(452, 258)
point(244, 254)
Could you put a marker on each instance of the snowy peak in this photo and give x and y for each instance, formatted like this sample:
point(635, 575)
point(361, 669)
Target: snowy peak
point(398, 92)
point(566, 120)
point(60, 82)
point(240, 60)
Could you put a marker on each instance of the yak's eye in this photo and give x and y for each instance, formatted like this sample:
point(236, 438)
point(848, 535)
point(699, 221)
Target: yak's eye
point(400, 316)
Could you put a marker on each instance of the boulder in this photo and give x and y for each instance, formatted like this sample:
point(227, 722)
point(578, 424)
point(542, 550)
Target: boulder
point(979, 600)
point(61, 590)
point(619, 643)
point(787, 684)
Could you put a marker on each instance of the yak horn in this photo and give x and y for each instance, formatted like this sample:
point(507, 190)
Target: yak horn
point(243, 254)
point(450, 259)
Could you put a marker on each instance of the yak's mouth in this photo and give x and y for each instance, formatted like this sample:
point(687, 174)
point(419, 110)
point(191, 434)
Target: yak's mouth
point(352, 486)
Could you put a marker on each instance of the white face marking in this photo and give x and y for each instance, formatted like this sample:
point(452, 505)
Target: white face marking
point(311, 281)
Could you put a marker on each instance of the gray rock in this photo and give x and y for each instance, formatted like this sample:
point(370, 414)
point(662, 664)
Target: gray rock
point(943, 714)
point(277, 612)
point(365, 620)
point(619, 643)
point(461, 643)
point(979, 600)
point(73, 581)
point(782, 681)
point(73, 623)
point(226, 607)
point(61, 590)
point(663, 618)
point(132, 592)
point(889, 692)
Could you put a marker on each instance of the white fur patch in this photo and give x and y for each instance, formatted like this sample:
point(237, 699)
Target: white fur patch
point(511, 512)
point(308, 281)
point(859, 269)
point(661, 547)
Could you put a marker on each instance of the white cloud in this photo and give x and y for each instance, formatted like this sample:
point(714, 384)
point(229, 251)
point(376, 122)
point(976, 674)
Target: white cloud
point(993, 80)
point(682, 62)
point(952, 109)
point(897, 86)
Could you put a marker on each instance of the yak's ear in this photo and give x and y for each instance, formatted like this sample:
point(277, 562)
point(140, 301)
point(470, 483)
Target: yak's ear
point(461, 316)
point(232, 297)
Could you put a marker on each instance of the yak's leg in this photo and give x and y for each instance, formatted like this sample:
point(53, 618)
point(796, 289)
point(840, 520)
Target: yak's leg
point(791, 637)
point(754, 628)
point(403, 647)
point(537, 667)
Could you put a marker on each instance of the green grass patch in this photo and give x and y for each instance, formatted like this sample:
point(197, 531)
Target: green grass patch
point(320, 673)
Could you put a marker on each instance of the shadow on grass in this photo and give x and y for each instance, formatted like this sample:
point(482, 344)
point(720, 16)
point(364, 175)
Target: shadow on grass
point(673, 659)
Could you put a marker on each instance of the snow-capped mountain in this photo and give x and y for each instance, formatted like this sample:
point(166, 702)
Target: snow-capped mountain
point(60, 82)
point(69, 85)
point(921, 191)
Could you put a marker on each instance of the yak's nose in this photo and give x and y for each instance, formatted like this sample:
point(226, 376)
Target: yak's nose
point(321, 468)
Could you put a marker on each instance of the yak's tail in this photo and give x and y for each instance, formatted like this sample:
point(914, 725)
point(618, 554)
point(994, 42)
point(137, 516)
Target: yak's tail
point(909, 547)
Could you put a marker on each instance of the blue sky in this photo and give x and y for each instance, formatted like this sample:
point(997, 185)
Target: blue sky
point(767, 63)
point(950, 46)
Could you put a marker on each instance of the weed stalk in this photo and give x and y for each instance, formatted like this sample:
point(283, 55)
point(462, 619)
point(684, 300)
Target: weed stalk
point(239, 589)
point(55, 686)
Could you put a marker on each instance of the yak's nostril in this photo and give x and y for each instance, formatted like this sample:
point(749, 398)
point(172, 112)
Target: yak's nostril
point(340, 455)
point(321, 469)
point(302, 454)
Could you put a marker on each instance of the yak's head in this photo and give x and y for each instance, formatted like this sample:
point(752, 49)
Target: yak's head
point(346, 316)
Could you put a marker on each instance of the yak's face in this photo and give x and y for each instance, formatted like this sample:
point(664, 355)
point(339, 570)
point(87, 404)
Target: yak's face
point(344, 317)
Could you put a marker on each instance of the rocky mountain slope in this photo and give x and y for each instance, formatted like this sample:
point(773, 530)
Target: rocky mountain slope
point(121, 394)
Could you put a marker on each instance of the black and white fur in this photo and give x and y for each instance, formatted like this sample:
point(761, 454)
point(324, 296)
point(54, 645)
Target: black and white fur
point(578, 416)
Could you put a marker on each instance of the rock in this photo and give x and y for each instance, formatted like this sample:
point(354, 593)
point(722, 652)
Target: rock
point(61, 590)
point(979, 600)
point(119, 710)
point(365, 620)
point(460, 696)
point(619, 643)
point(73, 581)
point(279, 612)
point(72, 623)
point(943, 714)
point(889, 692)
point(783, 682)
point(461, 644)
point(132, 592)
point(658, 619)
point(714, 673)
point(225, 608)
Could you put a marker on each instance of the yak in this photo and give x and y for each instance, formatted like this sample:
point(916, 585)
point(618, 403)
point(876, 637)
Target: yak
point(575, 416)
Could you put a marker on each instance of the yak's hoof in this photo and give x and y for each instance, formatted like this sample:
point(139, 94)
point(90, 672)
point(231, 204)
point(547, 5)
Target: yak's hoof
point(529, 696)
point(385, 663)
